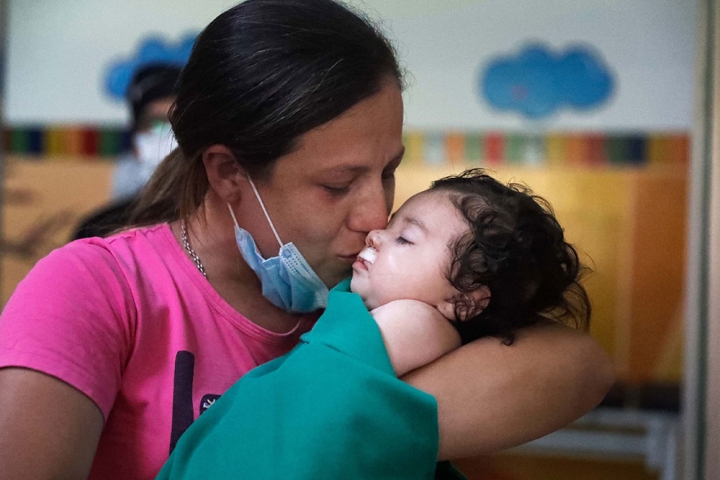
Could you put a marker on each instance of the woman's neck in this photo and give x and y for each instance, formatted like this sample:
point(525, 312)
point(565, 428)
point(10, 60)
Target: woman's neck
point(211, 235)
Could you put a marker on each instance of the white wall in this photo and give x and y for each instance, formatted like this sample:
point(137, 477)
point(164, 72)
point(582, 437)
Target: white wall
point(58, 50)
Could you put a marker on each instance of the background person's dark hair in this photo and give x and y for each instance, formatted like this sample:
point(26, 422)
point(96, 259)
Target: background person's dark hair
point(260, 75)
point(149, 83)
point(517, 249)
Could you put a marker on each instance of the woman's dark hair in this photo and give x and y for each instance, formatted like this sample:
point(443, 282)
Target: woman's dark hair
point(260, 75)
point(517, 249)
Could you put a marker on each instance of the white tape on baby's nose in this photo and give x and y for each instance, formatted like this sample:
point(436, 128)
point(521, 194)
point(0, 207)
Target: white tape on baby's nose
point(368, 254)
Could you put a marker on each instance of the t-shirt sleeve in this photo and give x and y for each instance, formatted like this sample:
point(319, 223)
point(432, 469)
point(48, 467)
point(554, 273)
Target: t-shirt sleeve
point(72, 317)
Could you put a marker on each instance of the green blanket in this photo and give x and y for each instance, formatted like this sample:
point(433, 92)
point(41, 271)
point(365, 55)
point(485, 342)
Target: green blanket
point(332, 408)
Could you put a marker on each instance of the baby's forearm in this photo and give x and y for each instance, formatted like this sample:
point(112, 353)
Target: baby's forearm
point(414, 334)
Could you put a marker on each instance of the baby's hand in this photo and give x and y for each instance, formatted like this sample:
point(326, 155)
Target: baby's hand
point(414, 333)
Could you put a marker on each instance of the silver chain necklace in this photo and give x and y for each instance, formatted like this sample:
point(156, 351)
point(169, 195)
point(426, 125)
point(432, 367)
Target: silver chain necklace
point(189, 249)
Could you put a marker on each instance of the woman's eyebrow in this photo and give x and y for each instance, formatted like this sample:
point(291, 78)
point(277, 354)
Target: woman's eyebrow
point(355, 169)
point(349, 169)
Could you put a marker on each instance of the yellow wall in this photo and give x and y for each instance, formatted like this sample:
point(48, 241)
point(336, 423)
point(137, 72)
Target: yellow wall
point(42, 203)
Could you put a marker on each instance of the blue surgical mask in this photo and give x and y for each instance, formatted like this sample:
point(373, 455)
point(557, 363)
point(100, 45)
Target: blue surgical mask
point(287, 280)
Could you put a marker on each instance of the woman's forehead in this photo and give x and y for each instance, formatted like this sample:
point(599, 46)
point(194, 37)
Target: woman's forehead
point(366, 137)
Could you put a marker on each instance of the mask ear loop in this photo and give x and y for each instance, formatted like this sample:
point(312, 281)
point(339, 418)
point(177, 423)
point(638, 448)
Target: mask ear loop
point(233, 215)
point(262, 205)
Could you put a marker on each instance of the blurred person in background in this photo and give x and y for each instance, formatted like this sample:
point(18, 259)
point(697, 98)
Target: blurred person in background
point(149, 96)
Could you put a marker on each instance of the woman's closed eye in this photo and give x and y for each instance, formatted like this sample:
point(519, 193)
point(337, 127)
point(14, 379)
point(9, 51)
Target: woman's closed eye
point(337, 190)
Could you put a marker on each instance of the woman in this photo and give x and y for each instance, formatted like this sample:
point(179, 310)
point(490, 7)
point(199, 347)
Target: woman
point(112, 347)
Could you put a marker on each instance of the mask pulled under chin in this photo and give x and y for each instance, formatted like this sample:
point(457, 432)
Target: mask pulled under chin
point(287, 280)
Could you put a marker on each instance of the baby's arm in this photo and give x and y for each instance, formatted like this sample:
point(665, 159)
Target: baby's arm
point(414, 333)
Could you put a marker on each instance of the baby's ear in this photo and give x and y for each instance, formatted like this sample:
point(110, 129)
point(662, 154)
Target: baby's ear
point(471, 304)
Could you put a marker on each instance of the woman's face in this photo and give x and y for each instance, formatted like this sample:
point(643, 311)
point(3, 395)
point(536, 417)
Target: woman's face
point(337, 186)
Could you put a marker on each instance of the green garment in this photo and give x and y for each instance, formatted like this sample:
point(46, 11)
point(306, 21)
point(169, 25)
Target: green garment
point(332, 408)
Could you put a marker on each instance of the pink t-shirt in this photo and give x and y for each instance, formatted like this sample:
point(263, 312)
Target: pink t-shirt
point(132, 323)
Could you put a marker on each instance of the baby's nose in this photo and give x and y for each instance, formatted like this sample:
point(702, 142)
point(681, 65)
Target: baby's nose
point(373, 239)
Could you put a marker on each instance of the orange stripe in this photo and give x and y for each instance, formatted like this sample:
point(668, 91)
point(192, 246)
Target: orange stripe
point(679, 147)
point(73, 141)
point(455, 148)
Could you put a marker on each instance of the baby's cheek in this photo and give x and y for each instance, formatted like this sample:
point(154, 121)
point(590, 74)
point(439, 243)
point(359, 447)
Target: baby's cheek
point(355, 285)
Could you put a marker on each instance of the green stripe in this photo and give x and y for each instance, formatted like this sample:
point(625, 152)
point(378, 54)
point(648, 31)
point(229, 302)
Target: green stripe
point(109, 142)
point(473, 147)
point(515, 148)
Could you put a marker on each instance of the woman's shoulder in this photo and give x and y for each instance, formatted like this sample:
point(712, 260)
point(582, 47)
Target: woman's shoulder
point(74, 316)
point(98, 264)
point(89, 284)
point(131, 243)
point(160, 232)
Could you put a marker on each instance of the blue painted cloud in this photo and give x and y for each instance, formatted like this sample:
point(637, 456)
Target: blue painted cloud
point(151, 50)
point(537, 81)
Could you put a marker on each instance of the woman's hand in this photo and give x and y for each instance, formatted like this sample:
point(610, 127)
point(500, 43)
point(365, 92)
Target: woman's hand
point(48, 429)
point(492, 396)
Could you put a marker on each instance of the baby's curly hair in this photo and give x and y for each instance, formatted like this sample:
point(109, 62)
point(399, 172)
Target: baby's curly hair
point(517, 249)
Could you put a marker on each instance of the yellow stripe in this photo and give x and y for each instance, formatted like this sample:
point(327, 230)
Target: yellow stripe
point(414, 148)
point(556, 150)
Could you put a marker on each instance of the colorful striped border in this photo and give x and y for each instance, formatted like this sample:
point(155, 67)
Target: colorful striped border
point(561, 149)
point(66, 141)
point(423, 147)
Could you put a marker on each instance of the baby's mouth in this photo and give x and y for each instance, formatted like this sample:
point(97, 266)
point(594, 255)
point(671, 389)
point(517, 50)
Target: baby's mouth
point(368, 254)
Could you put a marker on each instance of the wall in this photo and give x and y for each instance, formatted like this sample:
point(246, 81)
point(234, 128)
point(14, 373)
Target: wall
point(57, 52)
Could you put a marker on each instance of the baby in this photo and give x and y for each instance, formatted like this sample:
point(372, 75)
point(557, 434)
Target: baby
point(488, 257)
point(469, 257)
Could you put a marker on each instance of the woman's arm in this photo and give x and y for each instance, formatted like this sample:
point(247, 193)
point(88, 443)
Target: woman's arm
point(492, 396)
point(48, 429)
point(68, 318)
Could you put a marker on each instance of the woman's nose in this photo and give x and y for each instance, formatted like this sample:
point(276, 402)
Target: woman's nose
point(371, 211)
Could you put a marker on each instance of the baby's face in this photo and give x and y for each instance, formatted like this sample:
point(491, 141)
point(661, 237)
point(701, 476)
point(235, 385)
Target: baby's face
point(410, 259)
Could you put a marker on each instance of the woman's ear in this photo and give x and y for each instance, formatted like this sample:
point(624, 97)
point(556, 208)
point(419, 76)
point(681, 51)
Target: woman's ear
point(471, 304)
point(224, 173)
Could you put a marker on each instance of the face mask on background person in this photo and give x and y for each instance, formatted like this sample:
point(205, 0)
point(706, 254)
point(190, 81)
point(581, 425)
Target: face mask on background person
point(153, 145)
point(287, 280)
